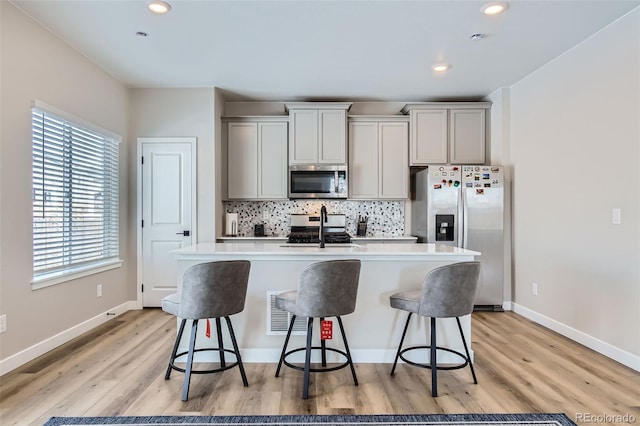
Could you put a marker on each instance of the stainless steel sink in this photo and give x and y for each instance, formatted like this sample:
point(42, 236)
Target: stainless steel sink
point(336, 245)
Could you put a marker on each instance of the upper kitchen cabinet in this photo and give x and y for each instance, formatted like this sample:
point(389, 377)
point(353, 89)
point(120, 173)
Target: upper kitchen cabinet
point(257, 159)
point(378, 158)
point(447, 133)
point(318, 132)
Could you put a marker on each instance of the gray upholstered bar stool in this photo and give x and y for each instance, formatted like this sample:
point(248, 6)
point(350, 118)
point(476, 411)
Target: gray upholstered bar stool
point(209, 290)
point(325, 289)
point(447, 292)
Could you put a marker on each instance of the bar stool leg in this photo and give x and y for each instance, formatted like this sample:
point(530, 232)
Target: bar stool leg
point(464, 342)
point(404, 333)
point(323, 347)
point(187, 372)
point(175, 349)
point(307, 360)
point(219, 333)
point(286, 342)
point(433, 359)
point(346, 347)
point(237, 351)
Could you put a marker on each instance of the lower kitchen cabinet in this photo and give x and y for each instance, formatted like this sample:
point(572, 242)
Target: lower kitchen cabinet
point(257, 160)
point(378, 159)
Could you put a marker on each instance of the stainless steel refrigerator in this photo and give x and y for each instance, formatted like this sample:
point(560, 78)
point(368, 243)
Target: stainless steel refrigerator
point(463, 206)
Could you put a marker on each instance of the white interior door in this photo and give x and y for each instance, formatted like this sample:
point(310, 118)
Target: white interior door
point(168, 212)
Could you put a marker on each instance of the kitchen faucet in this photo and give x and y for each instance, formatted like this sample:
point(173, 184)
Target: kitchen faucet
point(323, 220)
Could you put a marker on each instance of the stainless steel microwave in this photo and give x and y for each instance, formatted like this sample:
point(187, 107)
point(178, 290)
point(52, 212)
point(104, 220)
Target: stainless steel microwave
point(318, 181)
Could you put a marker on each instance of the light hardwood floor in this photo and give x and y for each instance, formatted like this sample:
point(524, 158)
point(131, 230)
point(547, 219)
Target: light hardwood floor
point(118, 369)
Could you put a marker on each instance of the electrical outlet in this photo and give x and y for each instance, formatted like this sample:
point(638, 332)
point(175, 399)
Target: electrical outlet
point(265, 214)
point(534, 289)
point(3, 323)
point(99, 290)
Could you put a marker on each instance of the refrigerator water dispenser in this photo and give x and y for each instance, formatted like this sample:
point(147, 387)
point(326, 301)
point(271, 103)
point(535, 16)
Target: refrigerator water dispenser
point(445, 227)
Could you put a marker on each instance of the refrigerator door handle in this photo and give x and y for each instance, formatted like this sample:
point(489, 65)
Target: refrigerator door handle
point(464, 224)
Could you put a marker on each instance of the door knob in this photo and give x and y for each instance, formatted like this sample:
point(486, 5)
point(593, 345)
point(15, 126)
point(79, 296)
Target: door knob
point(184, 233)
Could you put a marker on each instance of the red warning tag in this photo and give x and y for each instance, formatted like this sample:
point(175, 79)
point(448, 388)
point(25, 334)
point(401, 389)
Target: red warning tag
point(208, 330)
point(326, 330)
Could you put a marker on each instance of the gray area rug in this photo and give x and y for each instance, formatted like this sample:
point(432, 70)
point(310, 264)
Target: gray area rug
point(320, 420)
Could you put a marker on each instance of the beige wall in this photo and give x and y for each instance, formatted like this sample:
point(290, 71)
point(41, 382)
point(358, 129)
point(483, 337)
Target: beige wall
point(37, 65)
point(178, 113)
point(500, 119)
point(220, 160)
point(575, 141)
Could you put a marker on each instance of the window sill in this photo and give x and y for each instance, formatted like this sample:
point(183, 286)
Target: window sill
point(54, 278)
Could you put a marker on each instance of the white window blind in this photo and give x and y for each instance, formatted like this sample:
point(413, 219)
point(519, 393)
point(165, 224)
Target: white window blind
point(75, 195)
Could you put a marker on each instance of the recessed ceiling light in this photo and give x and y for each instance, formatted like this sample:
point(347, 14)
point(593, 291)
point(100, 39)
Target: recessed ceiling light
point(441, 67)
point(159, 7)
point(494, 8)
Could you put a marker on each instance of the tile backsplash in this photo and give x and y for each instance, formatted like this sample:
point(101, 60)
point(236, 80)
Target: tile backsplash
point(386, 218)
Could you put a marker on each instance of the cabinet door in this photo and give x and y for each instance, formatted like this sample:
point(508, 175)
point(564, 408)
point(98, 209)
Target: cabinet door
point(242, 178)
point(467, 136)
point(272, 160)
point(332, 148)
point(303, 136)
point(393, 154)
point(428, 137)
point(363, 160)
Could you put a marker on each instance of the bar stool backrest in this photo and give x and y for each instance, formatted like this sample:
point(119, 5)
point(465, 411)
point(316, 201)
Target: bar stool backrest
point(214, 289)
point(448, 291)
point(328, 289)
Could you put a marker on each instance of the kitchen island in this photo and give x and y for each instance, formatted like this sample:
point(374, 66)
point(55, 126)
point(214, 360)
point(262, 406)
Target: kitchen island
point(374, 328)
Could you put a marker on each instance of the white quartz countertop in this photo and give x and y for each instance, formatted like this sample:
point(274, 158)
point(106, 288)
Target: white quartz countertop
point(390, 239)
point(229, 238)
point(257, 239)
point(274, 249)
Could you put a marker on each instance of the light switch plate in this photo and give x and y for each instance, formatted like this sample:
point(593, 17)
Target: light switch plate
point(3, 323)
point(265, 214)
point(615, 216)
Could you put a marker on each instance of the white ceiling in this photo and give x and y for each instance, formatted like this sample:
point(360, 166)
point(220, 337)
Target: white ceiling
point(324, 49)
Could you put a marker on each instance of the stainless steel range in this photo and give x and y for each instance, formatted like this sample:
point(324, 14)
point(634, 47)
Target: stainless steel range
point(306, 229)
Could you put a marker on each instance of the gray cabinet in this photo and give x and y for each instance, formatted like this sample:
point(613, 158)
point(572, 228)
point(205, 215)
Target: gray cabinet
point(257, 160)
point(467, 136)
point(318, 132)
point(378, 158)
point(448, 133)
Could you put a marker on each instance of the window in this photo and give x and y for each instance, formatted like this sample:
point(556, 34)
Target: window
point(75, 197)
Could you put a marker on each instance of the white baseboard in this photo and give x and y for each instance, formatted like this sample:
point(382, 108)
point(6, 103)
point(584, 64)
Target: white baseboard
point(14, 361)
point(606, 349)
